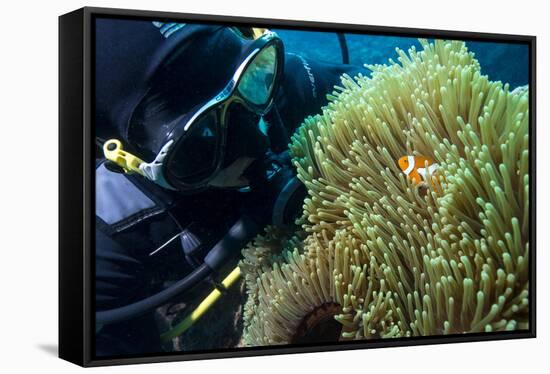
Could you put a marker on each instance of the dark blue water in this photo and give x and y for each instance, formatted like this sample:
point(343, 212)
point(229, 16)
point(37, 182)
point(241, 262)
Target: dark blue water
point(508, 63)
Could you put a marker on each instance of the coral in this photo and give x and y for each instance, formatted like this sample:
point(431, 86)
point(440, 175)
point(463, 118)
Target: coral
point(386, 257)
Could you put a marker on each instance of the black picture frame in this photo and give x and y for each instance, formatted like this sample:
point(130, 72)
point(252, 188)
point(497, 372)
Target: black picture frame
point(76, 184)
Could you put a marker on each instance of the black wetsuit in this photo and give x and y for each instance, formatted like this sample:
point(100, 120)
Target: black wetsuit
point(134, 217)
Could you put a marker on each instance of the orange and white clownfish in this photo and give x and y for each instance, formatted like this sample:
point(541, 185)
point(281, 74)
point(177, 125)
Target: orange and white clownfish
point(415, 167)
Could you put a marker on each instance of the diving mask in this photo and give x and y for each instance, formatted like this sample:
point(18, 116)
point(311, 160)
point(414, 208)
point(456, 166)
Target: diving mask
point(192, 152)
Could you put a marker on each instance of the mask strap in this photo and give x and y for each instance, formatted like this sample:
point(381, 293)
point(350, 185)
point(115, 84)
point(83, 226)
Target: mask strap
point(252, 33)
point(258, 32)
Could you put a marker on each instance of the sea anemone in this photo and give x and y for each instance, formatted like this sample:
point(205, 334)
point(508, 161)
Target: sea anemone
point(385, 257)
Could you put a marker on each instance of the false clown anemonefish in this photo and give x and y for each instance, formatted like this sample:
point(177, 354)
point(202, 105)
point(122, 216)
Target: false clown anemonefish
point(417, 167)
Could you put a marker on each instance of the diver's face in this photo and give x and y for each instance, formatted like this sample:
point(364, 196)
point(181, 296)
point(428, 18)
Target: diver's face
point(247, 142)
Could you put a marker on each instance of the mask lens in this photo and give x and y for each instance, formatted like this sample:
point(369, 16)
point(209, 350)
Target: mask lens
point(258, 79)
point(195, 155)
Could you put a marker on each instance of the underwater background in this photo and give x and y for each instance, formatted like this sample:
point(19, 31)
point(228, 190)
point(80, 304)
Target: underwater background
point(383, 255)
point(504, 62)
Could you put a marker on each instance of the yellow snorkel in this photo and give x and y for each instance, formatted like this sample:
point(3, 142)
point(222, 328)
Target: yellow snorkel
point(113, 151)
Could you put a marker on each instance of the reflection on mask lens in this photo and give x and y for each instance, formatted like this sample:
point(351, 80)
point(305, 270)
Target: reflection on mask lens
point(257, 81)
point(194, 158)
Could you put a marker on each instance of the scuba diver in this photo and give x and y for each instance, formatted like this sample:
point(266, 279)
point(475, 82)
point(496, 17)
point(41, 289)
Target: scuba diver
point(193, 124)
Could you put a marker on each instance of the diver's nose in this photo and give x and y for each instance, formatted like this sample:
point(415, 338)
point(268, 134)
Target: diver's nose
point(245, 138)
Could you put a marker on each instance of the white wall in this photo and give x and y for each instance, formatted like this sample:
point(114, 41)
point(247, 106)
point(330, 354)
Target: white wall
point(28, 181)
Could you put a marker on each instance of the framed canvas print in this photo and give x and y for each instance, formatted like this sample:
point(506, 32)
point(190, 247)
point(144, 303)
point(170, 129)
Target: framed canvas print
point(235, 186)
